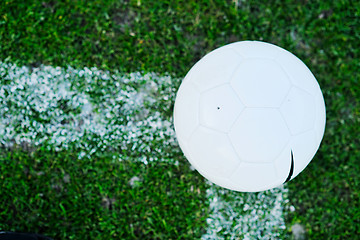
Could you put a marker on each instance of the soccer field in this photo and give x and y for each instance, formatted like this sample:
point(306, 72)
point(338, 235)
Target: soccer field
point(88, 147)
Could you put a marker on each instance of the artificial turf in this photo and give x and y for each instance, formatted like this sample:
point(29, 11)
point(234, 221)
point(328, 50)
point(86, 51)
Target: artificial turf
point(170, 36)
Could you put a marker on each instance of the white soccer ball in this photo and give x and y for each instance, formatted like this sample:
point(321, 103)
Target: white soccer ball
point(249, 116)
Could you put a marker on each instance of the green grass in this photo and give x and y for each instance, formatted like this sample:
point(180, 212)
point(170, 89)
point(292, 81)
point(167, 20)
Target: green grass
point(67, 198)
point(170, 36)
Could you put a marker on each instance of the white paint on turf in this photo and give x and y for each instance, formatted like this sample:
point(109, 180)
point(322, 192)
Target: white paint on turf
point(237, 215)
point(96, 111)
point(64, 107)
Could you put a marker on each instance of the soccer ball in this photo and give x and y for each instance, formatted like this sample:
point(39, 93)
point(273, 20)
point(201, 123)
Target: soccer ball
point(249, 116)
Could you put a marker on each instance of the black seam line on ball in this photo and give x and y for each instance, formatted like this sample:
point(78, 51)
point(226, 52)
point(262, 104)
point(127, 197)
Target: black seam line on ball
point(291, 168)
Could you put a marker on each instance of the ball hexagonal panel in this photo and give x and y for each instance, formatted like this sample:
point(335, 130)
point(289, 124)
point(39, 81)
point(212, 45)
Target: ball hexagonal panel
point(255, 49)
point(219, 108)
point(186, 110)
point(319, 125)
point(304, 147)
point(259, 135)
point(212, 153)
point(283, 163)
point(299, 111)
point(299, 74)
point(255, 176)
point(260, 83)
point(214, 69)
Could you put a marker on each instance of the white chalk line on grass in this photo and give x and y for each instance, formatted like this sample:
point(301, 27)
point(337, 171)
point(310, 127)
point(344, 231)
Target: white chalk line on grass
point(235, 215)
point(67, 106)
point(95, 111)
